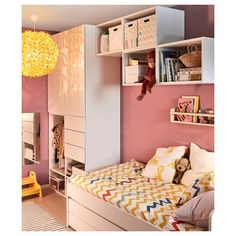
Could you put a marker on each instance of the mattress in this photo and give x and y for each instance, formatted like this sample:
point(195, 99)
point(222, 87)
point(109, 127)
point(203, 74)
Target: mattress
point(123, 186)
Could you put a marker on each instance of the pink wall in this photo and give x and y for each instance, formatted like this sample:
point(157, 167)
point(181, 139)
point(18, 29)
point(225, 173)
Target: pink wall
point(146, 125)
point(34, 99)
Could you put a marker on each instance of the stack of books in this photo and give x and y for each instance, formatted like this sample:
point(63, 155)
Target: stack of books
point(169, 65)
point(188, 74)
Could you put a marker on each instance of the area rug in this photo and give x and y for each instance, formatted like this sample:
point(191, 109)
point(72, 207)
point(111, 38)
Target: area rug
point(34, 218)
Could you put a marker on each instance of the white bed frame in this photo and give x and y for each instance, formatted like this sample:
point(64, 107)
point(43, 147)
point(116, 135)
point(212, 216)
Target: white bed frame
point(86, 212)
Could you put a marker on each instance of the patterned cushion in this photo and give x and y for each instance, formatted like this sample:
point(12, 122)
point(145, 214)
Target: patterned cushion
point(162, 165)
point(201, 184)
point(201, 162)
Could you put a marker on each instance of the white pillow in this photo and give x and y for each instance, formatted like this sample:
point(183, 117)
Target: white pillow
point(162, 165)
point(201, 162)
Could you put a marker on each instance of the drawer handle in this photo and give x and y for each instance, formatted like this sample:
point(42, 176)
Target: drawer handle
point(130, 25)
point(115, 29)
point(146, 20)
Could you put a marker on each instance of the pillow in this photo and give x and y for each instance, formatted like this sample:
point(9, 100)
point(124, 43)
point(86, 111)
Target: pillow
point(162, 165)
point(201, 162)
point(200, 185)
point(197, 210)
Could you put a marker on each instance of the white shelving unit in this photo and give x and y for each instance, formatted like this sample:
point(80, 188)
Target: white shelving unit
point(169, 28)
point(54, 170)
point(173, 114)
point(169, 35)
point(31, 138)
point(207, 59)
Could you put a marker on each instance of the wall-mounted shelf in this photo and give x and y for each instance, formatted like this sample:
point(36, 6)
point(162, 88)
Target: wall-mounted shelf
point(205, 44)
point(173, 114)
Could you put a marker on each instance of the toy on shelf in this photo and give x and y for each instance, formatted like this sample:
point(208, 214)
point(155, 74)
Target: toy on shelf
point(149, 80)
point(30, 185)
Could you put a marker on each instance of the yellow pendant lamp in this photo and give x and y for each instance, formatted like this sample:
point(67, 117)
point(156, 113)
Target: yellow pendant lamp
point(39, 52)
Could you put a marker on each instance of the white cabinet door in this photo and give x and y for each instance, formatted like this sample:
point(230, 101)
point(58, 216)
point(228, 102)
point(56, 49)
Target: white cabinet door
point(74, 88)
point(57, 78)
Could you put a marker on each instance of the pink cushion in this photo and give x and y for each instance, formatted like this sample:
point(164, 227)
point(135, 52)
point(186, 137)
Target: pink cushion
point(197, 210)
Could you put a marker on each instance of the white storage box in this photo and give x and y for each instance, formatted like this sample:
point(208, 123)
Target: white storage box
point(134, 73)
point(147, 30)
point(139, 70)
point(131, 34)
point(130, 79)
point(115, 38)
point(104, 43)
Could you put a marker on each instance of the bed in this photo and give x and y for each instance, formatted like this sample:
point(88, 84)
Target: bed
point(119, 198)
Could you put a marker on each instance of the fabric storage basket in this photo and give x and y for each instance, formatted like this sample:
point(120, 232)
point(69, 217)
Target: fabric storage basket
point(104, 47)
point(115, 38)
point(147, 30)
point(192, 58)
point(131, 34)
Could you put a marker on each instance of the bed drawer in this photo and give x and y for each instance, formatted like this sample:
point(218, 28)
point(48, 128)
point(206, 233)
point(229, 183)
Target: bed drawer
point(75, 138)
point(96, 221)
point(78, 224)
point(75, 153)
point(75, 123)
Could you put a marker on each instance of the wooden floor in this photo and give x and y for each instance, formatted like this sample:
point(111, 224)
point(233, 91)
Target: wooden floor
point(51, 202)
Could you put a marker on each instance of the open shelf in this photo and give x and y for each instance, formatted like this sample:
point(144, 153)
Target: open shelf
point(203, 44)
point(111, 54)
point(142, 49)
point(58, 171)
point(173, 114)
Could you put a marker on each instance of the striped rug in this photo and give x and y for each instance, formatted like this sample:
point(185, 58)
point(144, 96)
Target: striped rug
point(34, 218)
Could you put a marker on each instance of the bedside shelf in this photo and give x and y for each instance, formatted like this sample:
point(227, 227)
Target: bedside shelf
point(173, 113)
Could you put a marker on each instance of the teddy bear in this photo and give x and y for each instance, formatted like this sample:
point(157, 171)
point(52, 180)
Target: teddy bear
point(149, 79)
point(181, 165)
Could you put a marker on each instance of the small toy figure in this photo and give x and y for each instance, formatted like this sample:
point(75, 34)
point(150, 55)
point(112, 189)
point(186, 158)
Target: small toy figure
point(149, 79)
point(181, 166)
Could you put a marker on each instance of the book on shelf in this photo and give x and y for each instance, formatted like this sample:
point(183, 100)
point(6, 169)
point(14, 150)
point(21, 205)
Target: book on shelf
point(164, 54)
point(196, 105)
point(185, 105)
point(173, 65)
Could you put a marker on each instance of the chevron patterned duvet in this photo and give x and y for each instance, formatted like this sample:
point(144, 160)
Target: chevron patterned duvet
point(123, 186)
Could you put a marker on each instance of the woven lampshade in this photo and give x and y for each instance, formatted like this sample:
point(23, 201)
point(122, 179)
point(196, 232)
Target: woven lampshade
point(39, 54)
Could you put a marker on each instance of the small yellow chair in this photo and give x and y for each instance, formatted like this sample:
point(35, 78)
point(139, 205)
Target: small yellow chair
point(33, 186)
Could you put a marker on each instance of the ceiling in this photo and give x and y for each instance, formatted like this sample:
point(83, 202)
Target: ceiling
point(63, 17)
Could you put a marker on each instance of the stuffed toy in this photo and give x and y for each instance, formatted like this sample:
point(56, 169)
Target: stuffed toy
point(181, 165)
point(149, 79)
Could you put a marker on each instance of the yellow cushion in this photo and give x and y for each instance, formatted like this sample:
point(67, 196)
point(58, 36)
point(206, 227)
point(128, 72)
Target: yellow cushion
point(162, 164)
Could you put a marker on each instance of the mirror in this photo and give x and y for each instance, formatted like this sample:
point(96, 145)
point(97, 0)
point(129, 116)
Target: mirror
point(31, 138)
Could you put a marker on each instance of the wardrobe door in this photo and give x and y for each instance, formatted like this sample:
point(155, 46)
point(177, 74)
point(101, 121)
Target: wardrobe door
point(57, 78)
point(74, 87)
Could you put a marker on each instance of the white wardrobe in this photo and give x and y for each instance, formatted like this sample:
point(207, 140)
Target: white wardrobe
point(84, 93)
